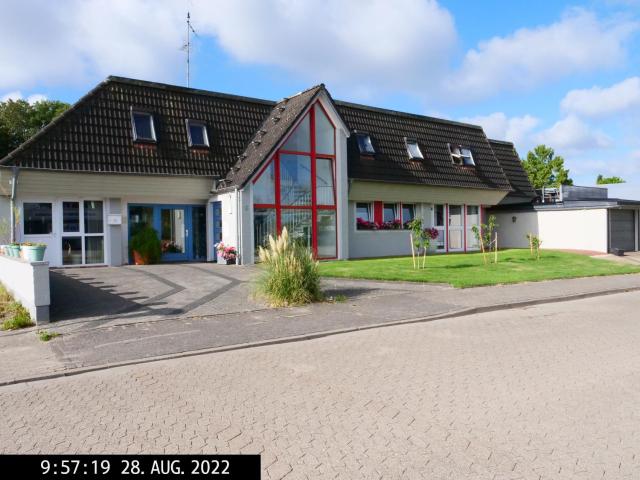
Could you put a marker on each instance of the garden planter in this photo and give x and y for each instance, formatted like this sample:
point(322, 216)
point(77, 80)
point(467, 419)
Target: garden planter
point(2, 250)
point(14, 250)
point(140, 259)
point(223, 261)
point(33, 253)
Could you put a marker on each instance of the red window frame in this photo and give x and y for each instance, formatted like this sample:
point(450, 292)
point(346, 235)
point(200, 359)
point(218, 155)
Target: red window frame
point(313, 207)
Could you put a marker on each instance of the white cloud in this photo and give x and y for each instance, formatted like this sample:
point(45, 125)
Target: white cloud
point(600, 102)
point(579, 42)
point(571, 134)
point(500, 127)
point(17, 95)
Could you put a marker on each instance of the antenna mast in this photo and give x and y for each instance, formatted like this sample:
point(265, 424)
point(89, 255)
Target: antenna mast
point(188, 47)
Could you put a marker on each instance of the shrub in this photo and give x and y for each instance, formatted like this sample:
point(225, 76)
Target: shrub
point(147, 244)
point(16, 316)
point(290, 275)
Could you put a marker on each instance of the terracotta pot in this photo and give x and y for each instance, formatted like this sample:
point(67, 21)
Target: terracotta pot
point(138, 259)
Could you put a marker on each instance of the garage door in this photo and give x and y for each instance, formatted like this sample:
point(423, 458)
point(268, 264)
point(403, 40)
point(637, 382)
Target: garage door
point(623, 229)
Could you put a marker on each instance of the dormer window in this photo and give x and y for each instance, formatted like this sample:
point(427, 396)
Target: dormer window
point(197, 134)
point(143, 128)
point(461, 155)
point(364, 144)
point(413, 149)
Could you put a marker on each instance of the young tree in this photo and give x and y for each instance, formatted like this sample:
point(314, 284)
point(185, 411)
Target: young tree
point(20, 120)
point(601, 180)
point(545, 169)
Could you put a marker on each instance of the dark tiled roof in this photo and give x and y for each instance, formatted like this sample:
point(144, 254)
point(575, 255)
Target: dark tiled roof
point(510, 161)
point(95, 134)
point(274, 128)
point(391, 162)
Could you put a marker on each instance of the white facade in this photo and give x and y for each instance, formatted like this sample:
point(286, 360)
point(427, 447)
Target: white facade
point(585, 229)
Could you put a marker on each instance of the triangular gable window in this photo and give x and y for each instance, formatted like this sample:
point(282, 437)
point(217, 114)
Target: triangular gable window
point(300, 139)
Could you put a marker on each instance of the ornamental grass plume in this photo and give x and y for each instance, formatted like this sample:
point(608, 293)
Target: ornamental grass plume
point(290, 275)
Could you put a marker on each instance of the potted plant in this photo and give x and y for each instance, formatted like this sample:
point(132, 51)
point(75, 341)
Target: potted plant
point(145, 247)
point(226, 254)
point(14, 249)
point(33, 252)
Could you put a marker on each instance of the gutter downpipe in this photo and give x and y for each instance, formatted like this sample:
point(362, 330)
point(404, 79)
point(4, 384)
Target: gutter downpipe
point(14, 189)
point(239, 226)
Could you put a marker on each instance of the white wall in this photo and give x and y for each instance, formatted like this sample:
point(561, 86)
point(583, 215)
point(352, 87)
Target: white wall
point(29, 284)
point(558, 229)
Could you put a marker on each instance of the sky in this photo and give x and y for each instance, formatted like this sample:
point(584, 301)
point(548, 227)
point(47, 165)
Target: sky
point(566, 74)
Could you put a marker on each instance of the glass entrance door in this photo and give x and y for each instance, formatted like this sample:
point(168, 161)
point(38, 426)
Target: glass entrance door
point(173, 233)
point(456, 228)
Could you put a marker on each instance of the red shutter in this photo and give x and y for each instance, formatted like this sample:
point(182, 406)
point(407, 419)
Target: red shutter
point(377, 212)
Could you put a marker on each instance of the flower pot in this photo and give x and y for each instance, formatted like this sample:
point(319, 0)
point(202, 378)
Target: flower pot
point(14, 250)
point(2, 249)
point(139, 259)
point(33, 253)
point(223, 261)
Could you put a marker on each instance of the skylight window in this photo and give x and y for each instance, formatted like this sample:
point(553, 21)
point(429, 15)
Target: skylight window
point(143, 128)
point(413, 149)
point(364, 144)
point(461, 155)
point(197, 133)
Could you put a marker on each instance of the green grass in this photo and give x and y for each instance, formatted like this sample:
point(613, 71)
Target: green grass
point(12, 314)
point(468, 270)
point(45, 335)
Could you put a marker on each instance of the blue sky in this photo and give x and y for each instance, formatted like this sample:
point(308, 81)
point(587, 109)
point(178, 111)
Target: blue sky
point(565, 74)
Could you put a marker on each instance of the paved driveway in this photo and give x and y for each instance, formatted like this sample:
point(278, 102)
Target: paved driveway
point(151, 292)
point(547, 392)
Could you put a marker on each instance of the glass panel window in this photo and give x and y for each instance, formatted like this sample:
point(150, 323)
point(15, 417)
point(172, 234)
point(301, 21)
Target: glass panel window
point(197, 133)
point(264, 224)
point(455, 239)
point(199, 232)
point(363, 211)
point(324, 133)
point(440, 240)
point(364, 144)
point(143, 128)
point(324, 181)
point(298, 223)
point(264, 188)
point(408, 212)
point(93, 218)
point(300, 139)
point(94, 249)
point(140, 217)
point(295, 179)
point(172, 238)
point(413, 149)
point(327, 234)
point(473, 215)
point(72, 251)
point(71, 217)
point(389, 212)
point(37, 218)
point(455, 215)
point(467, 156)
point(439, 216)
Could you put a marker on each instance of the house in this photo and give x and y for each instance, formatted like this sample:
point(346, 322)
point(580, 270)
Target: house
point(203, 167)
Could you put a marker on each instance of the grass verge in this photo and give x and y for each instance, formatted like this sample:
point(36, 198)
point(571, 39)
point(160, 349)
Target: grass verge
point(468, 270)
point(12, 314)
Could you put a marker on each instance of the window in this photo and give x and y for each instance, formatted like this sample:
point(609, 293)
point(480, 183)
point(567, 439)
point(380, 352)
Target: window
point(83, 232)
point(473, 219)
point(438, 221)
point(408, 212)
point(296, 190)
point(295, 179)
point(364, 144)
point(363, 211)
point(143, 128)
point(324, 133)
point(264, 187)
point(197, 133)
point(461, 155)
point(37, 218)
point(413, 149)
point(300, 139)
point(389, 212)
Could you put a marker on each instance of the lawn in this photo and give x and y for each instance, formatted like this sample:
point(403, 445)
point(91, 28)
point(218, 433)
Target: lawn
point(468, 270)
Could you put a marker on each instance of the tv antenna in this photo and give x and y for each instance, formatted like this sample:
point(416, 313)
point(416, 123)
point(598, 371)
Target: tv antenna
point(187, 47)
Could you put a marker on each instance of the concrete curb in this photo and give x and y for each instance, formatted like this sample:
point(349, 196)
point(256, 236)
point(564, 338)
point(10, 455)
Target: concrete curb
point(312, 336)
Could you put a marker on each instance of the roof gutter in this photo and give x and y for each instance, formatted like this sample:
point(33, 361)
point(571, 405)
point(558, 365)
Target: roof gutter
point(13, 210)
